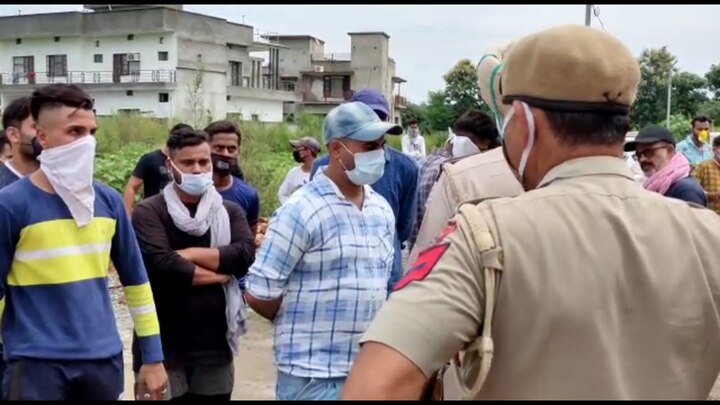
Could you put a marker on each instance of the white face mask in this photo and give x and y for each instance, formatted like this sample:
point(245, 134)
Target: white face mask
point(462, 146)
point(194, 184)
point(69, 169)
point(369, 166)
point(520, 171)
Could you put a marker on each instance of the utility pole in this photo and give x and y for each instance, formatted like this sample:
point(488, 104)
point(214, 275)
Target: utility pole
point(669, 97)
point(588, 14)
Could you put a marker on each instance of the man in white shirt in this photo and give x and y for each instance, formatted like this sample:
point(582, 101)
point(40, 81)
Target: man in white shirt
point(413, 144)
point(305, 150)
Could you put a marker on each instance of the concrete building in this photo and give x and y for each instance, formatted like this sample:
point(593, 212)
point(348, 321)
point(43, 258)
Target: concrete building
point(323, 80)
point(153, 59)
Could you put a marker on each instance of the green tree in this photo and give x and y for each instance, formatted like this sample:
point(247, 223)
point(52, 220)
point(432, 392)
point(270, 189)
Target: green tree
point(713, 80)
point(711, 109)
point(679, 126)
point(688, 93)
point(651, 102)
point(461, 90)
point(439, 114)
point(688, 89)
point(416, 112)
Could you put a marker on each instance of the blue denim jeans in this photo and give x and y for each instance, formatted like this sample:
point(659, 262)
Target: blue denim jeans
point(290, 388)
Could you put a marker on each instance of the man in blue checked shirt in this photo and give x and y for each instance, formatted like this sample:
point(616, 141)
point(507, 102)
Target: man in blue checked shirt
point(398, 184)
point(321, 273)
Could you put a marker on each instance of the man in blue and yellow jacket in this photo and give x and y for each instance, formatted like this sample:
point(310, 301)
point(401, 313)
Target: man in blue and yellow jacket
point(58, 232)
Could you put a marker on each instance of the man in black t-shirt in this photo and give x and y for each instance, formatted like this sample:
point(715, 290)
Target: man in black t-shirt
point(150, 172)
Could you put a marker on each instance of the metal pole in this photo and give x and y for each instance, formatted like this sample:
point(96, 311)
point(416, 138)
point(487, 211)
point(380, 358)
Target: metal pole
point(588, 14)
point(669, 98)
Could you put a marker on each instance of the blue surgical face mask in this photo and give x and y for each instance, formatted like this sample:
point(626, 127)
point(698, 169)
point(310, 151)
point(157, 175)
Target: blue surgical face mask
point(194, 184)
point(369, 166)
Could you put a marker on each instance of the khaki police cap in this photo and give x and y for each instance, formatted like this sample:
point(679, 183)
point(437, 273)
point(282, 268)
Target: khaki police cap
point(571, 68)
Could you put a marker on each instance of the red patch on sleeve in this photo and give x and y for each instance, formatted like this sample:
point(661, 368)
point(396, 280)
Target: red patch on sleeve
point(423, 265)
point(449, 228)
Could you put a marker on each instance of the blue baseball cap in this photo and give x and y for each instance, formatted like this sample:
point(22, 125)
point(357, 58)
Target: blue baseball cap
point(373, 99)
point(356, 121)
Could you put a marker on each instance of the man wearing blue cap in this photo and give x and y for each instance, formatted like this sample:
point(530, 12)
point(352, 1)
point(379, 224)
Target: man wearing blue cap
point(321, 273)
point(398, 185)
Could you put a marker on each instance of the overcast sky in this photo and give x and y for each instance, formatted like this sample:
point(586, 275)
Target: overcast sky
point(426, 41)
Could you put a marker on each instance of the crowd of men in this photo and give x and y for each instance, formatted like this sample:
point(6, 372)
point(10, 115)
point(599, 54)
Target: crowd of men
point(539, 268)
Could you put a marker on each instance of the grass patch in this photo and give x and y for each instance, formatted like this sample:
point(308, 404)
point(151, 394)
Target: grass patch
point(265, 155)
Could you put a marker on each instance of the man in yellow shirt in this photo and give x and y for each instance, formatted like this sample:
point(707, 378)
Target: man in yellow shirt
point(708, 174)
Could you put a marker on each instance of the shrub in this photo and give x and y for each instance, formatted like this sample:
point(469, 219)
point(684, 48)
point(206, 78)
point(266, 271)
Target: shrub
point(265, 155)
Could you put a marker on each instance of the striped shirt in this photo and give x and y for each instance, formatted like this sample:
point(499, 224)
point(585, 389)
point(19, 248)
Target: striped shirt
point(58, 303)
point(330, 262)
point(398, 186)
point(430, 167)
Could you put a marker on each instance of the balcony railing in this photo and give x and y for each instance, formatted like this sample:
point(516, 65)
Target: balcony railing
point(88, 77)
point(400, 101)
point(330, 57)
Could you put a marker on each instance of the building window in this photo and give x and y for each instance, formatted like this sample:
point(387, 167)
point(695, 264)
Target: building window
point(254, 117)
point(327, 86)
point(134, 67)
point(235, 73)
point(227, 98)
point(57, 39)
point(57, 65)
point(199, 57)
point(131, 37)
point(289, 86)
point(97, 44)
point(162, 56)
point(18, 41)
point(164, 97)
point(23, 64)
point(161, 40)
point(98, 58)
point(125, 64)
point(129, 93)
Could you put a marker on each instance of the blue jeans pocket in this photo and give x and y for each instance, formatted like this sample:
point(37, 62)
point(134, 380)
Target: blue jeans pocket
point(291, 388)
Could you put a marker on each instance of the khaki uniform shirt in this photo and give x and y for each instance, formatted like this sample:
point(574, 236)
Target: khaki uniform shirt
point(481, 176)
point(607, 291)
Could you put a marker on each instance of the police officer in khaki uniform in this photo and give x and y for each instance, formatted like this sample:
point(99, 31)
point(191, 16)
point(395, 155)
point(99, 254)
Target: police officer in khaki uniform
point(479, 176)
point(606, 290)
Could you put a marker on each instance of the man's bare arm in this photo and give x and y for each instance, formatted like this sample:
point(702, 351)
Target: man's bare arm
point(206, 277)
point(268, 309)
point(131, 189)
point(381, 372)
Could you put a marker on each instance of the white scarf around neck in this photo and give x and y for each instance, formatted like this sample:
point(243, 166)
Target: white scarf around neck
point(211, 215)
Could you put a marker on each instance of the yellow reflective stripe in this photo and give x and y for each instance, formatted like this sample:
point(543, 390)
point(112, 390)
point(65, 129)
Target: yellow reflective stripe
point(59, 269)
point(142, 308)
point(146, 325)
point(57, 252)
point(64, 233)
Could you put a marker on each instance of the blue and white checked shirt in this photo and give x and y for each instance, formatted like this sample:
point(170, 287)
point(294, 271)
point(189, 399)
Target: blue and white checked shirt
point(399, 187)
point(331, 263)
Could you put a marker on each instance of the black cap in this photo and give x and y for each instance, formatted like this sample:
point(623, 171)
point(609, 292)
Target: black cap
point(650, 134)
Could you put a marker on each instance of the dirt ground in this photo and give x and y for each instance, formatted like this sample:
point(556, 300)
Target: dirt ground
point(254, 370)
